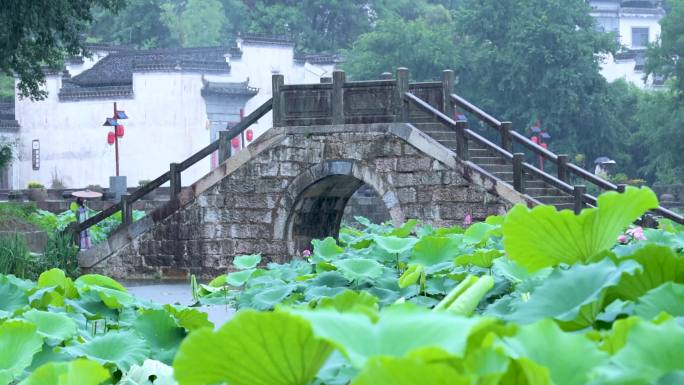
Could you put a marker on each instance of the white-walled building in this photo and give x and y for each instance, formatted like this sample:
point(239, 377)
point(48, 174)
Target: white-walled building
point(176, 101)
point(636, 23)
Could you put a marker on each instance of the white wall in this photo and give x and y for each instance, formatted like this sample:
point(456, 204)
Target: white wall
point(167, 121)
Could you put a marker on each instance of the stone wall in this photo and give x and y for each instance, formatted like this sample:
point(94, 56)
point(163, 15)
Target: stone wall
point(293, 185)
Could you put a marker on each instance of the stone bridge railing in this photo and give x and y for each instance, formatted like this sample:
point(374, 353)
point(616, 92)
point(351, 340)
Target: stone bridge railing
point(336, 101)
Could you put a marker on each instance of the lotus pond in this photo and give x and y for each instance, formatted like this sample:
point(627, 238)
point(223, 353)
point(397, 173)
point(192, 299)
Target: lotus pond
point(536, 297)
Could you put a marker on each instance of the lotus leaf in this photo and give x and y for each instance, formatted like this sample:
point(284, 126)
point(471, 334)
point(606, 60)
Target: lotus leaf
point(78, 372)
point(244, 262)
point(252, 349)
point(123, 349)
point(544, 237)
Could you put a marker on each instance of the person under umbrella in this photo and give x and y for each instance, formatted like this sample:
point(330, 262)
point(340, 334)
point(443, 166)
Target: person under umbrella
point(82, 215)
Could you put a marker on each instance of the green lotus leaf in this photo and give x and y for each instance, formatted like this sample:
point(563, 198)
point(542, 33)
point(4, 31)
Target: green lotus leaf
point(13, 297)
point(47, 296)
point(411, 276)
point(325, 250)
point(101, 281)
point(432, 250)
point(58, 279)
point(238, 278)
point(544, 237)
point(359, 269)
point(395, 245)
point(159, 329)
point(267, 298)
point(19, 342)
point(114, 299)
point(575, 296)
point(77, 372)
point(616, 339)
point(478, 233)
point(404, 230)
point(517, 273)
point(56, 327)
point(190, 319)
point(406, 371)
point(252, 349)
point(161, 374)
point(123, 349)
point(481, 258)
point(672, 378)
point(244, 262)
point(651, 352)
point(568, 357)
point(660, 265)
point(314, 293)
point(91, 306)
point(352, 302)
point(397, 332)
point(668, 297)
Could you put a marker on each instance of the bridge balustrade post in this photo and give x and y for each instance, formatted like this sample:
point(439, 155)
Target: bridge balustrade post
point(461, 140)
point(621, 188)
point(447, 90)
point(402, 88)
point(224, 147)
point(338, 80)
point(578, 194)
point(277, 82)
point(518, 172)
point(126, 209)
point(175, 180)
point(386, 76)
point(505, 130)
point(562, 167)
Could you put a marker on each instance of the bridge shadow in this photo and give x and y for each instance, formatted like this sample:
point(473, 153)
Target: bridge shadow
point(333, 192)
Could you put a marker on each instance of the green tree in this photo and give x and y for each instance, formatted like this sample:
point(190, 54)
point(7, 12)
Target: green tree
point(539, 59)
point(424, 44)
point(665, 56)
point(196, 23)
point(38, 34)
point(138, 25)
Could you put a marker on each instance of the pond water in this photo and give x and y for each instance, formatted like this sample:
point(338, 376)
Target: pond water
point(176, 293)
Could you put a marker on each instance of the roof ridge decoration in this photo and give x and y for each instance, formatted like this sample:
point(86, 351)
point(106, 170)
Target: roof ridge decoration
point(265, 39)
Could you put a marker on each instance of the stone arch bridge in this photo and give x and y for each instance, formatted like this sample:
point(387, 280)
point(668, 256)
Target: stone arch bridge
point(293, 183)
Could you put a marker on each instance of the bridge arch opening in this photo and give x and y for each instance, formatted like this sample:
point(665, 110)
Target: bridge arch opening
point(328, 199)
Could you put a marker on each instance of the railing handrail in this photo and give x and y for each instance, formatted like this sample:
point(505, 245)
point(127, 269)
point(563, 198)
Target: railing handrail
point(184, 165)
point(551, 156)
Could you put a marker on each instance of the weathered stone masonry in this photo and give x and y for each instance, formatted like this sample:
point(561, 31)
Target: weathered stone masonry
point(292, 185)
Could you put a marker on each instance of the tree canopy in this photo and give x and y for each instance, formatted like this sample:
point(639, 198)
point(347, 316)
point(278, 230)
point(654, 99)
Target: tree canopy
point(39, 34)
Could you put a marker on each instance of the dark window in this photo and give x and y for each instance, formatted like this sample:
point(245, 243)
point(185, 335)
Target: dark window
point(639, 37)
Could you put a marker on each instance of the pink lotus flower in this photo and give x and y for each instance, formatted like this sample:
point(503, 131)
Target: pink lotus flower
point(637, 233)
point(623, 239)
point(468, 220)
point(306, 253)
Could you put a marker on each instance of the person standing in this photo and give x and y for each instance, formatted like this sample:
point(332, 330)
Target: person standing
point(81, 216)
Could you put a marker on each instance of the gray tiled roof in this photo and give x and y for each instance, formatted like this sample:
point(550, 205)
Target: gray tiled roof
point(223, 88)
point(112, 76)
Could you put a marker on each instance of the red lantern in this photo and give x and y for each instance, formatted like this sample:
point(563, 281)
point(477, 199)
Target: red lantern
point(120, 131)
point(110, 138)
point(535, 139)
point(250, 135)
point(235, 142)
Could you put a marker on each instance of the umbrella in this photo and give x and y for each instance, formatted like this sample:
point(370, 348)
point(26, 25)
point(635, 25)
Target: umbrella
point(604, 160)
point(87, 194)
point(535, 129)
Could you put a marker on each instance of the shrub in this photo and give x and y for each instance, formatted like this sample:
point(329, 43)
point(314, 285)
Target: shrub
point(36, 185)
point(15, 257)
point(143, 182)
point(94, 187)
point(61, 252)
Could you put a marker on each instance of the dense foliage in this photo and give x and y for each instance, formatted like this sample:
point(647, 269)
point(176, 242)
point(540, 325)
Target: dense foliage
point(58, 331)
point(39, 34)
point(491, 304)
point(59, 252)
